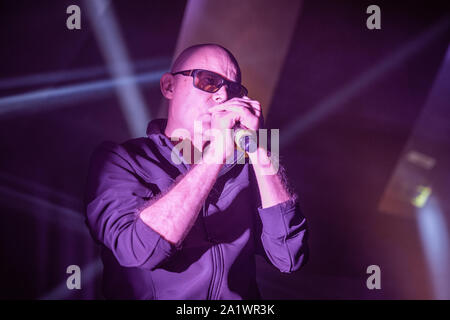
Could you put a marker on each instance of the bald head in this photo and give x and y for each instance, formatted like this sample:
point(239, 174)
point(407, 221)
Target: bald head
point(210, 57)
point(187, 103)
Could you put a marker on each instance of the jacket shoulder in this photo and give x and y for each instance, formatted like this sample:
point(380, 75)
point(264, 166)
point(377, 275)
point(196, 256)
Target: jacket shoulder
point(143, 147)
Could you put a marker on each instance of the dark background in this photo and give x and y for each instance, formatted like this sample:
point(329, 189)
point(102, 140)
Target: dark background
point(340, 165)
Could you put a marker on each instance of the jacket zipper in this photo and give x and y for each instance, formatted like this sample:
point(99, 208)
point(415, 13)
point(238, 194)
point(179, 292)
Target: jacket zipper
point(211, 284)
point(217, 266)
point(220, 270)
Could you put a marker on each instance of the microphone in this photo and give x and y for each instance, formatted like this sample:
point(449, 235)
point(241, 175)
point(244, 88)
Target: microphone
point(245, 139)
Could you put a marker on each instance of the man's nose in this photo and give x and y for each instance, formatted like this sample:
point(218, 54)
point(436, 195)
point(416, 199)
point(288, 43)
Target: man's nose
point(221, 95)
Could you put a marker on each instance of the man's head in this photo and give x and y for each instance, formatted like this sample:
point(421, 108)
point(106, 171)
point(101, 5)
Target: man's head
point(187, 103)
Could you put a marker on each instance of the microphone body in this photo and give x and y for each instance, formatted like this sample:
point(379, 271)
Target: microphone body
point(245, 139)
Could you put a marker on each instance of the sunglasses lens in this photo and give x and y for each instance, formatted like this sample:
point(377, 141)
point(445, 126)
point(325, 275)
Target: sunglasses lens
point(211, 82)
point(207, 81)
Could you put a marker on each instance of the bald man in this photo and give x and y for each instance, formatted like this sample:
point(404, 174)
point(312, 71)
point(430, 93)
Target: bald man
point(175, 226)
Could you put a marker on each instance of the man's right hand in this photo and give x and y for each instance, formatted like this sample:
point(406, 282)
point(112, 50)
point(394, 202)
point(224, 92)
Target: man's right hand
point(220, 135)
point(224, 117)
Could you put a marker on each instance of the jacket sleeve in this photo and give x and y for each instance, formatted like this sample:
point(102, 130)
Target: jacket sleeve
point(114, 195)
point(284, 236)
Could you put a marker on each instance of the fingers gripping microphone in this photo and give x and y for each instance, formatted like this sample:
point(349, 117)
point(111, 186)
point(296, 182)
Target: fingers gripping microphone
point(245, 139)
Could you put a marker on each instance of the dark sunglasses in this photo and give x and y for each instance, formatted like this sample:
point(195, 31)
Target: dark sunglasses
point(211, 82)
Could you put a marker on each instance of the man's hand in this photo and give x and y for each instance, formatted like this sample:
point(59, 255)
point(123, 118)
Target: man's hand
point(243, 110)
point(224, 117)
point(248, 113)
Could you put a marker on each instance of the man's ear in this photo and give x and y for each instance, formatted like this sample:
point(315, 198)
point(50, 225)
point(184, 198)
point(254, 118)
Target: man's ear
point(167, 84)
